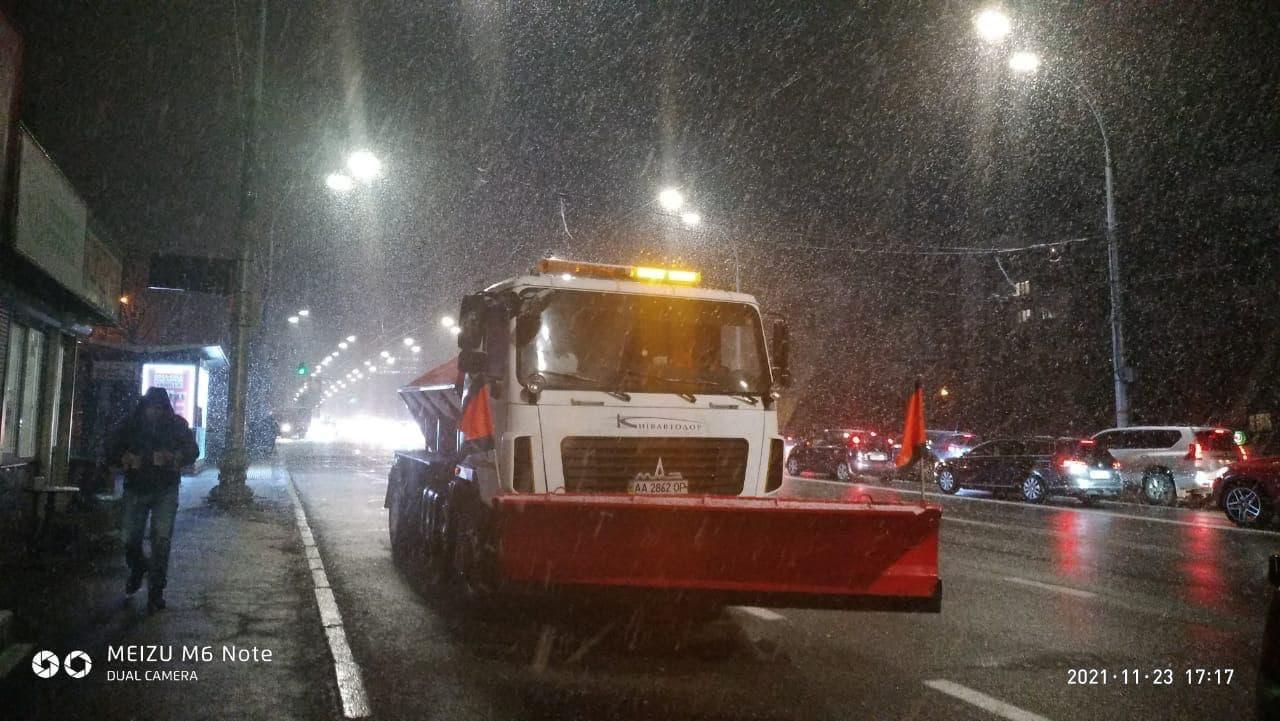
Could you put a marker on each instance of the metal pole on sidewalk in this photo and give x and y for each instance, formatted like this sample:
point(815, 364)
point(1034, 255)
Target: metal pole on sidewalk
point(923, 448)
point(232, 488)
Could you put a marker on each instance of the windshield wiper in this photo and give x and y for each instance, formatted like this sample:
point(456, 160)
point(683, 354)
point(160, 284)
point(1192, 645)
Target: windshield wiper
point(588, 379)
point(714, 386)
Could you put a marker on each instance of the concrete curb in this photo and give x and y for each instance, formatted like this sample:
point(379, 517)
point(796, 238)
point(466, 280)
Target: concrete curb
point(351, 689)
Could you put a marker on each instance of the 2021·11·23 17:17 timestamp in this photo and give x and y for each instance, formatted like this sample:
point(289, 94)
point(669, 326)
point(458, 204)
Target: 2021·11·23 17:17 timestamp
point(1149, 676)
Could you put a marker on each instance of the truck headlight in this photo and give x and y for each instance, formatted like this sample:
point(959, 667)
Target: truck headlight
point(286, 428)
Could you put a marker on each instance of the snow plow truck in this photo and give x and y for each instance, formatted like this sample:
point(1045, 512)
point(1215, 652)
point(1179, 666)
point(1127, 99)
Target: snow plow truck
point(613, 429)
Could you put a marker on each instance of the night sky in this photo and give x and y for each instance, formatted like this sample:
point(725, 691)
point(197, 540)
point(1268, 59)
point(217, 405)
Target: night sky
point(850, 148)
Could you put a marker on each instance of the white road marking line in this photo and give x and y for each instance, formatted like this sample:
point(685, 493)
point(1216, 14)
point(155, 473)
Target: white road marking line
point(987, 703)
point(763, 614)
point(1041, 507)
point(355, 701)
point(1051, 587)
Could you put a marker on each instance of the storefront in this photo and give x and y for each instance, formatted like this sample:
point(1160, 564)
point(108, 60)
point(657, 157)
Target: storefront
point(58, 279)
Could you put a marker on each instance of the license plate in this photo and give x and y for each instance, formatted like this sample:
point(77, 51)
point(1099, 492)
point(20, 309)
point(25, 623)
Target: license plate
point(1100, 475)
point(877, 457)
point(658, 487)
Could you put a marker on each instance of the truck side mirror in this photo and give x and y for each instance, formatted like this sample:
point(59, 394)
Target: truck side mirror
point(781, 353)
point(471, 323)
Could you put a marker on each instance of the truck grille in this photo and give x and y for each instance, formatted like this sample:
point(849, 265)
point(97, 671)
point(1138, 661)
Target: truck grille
point(605, 465)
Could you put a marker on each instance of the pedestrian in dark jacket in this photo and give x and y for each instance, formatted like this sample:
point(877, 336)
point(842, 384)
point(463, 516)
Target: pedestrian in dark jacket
point(152, 446)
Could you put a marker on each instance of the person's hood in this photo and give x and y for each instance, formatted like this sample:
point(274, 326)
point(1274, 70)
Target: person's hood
point(156, 397)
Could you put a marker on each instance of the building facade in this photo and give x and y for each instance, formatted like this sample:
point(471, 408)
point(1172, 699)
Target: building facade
point(58, 278)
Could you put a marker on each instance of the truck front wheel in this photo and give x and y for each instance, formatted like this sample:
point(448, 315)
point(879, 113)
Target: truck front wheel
point(474, 551)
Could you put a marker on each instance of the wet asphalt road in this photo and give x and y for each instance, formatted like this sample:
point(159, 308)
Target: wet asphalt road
point(1032, 593)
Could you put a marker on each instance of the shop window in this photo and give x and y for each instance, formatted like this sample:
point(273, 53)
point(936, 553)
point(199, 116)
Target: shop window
point(24, 370)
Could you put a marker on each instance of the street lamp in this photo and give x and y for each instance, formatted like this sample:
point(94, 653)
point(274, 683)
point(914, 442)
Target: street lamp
point(455, 329)
point(447, 321)
point(671, 199)
point(305, 313)
point(364, 165)
point(408, 342)
point(351, 339)
point(692, 219)
point(1026, 63)
point(293, 319)
point(339, 183)
point(992, 25)
point(343, 345)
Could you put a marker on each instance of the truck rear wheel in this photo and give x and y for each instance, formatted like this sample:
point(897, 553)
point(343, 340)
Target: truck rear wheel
point(433, 564)
point(400, 519)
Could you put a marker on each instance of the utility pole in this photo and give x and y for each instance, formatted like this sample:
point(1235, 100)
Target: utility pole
point(232, 488)
point(1120, 371)
point(1117, 320)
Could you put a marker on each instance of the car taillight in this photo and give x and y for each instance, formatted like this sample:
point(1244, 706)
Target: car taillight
point(1195, 452)
point(1115, 465)
point(954, 448)
point(1244, 454)
point(1075, 467)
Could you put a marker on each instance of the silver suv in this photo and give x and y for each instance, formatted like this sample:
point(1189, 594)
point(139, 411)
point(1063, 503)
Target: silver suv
point(1168, 463)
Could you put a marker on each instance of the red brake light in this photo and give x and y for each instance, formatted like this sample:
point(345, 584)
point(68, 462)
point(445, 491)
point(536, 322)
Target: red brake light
point(1195, 452)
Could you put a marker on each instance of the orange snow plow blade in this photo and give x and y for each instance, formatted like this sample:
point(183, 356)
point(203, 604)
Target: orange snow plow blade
point(762, 551)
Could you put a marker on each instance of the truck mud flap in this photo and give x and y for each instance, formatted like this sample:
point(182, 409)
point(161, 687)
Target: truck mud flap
point(781, 553)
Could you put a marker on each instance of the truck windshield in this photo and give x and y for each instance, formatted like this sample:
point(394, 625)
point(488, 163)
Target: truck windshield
point(646, 344)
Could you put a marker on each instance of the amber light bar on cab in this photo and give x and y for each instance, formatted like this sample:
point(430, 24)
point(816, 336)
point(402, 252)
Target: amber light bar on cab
point(557, 266)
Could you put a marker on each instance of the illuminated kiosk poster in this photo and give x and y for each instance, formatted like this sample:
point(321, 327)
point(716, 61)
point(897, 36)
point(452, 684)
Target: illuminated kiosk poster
point(179, 381)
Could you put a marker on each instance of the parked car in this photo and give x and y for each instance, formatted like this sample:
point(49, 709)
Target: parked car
point(841, 452)
point(944, 445)
point(1035, 467)
point(1168, 463)
point(1248, 491)
point(871, 453)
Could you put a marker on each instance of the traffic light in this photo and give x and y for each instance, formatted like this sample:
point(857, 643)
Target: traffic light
point(302, 369)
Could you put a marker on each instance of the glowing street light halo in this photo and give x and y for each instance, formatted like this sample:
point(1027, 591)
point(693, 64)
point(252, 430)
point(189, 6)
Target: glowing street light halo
point(671, 199)
point(364, 166)
point(339, 183)
point(1024, 62)
point(992, 25)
